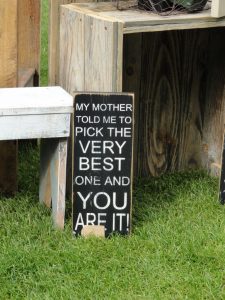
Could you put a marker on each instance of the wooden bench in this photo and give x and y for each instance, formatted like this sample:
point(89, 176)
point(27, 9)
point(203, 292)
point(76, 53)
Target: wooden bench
point(41, 113)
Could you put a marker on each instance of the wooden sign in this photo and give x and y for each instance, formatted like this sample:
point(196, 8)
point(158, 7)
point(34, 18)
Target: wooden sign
point(102, 179)
point(222, 178)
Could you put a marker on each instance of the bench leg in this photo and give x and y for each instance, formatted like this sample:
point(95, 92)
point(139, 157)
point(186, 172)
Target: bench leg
point(53, 177)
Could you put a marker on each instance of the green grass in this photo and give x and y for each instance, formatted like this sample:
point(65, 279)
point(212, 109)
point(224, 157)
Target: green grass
point(44, 42)
point(176, 250)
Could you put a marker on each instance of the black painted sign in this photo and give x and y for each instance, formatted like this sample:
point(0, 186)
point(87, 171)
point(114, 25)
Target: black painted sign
point(103, 146)
point(222, 179)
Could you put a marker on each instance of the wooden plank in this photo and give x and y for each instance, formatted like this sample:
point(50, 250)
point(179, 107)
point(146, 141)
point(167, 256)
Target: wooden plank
point(79, 48)
point(131, 82)
point(34, 126)
point(45, 189)
point(8, 78)
point(135, 20)
point(53, 178)
point(8, 43)
point(175, 26)
point(54, 34)
point(58, 181)
point(181, 100)
point(29, 34)
point(218, 8)
point(71, 76)
point(53, 42)
point(102, 36)
point(26, 77)
point(38, 100)
point(213, 126)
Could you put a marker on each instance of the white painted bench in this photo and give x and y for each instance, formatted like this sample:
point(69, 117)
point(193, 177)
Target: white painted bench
point(41, 113)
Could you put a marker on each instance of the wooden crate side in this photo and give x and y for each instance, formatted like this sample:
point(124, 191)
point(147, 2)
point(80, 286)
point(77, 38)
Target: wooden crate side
point(103, 55)
point(53, 42)
point(29, 34)
point(71, 71)
point(181, 100)
point(218, 8)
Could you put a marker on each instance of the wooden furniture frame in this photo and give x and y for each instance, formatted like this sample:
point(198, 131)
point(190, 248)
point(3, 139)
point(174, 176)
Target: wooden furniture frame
point(176, 67)
point(19, 65)
point(33, 113)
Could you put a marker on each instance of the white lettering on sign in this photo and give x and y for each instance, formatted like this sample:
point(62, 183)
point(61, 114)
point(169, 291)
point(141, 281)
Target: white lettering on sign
point(103, 129)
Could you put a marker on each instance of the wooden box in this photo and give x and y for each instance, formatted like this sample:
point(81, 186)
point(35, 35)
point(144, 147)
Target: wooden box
point(175, 66)
point(19, 66)
point(217, 9)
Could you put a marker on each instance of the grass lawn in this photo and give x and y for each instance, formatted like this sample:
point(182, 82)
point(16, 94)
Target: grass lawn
point(176, 250)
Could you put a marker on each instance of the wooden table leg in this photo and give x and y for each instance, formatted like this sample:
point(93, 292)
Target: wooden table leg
point(53, 177)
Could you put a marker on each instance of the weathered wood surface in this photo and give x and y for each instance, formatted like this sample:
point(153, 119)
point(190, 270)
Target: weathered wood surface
point(8, 43)
point(103, 36)
point(34, 126)
point(41, 112)
point(29, 34)
point(8, 78)
point(134, 20)
point(38, 100)
point(181, 100)
point(45, 188)
point(218, 8)
point(53, 42)
point(71, 71)
point(54, 25)
point(53, 177)
point(79, 53)
point(132, 57)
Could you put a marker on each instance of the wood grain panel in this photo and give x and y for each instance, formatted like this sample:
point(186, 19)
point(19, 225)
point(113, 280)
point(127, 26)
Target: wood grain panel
point(103, 73)
point(53, 39)
point(34, 126)
point(53, 177)
point(71, 76)
point(8, 78)
point(181, 100)
point(8, 43)
point(218, 8)
point(29, 34)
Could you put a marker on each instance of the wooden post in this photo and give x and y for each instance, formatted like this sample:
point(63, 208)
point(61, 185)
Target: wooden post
point(175, 66)
point(19, 65)
point(8, 78)
point(53, 177)
point(218, 8)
